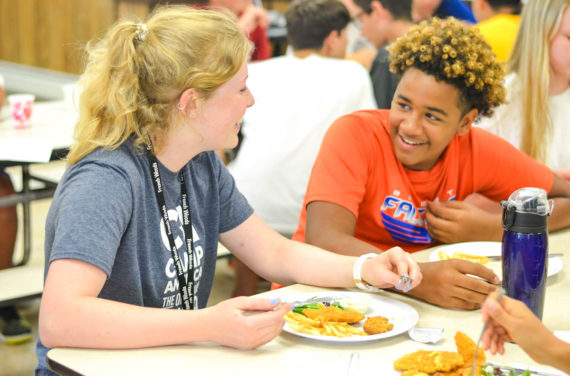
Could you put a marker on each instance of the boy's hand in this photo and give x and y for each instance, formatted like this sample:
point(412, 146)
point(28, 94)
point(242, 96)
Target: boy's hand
point(458, 221)
point(446, 284)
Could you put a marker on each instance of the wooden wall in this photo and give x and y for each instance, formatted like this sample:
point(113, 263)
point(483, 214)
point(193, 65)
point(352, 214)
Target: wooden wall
point(51, 33)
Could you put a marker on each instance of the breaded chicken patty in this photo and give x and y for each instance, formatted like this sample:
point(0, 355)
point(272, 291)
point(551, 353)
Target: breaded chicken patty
point(377, 325)
point(429, 361)
point(335, 314)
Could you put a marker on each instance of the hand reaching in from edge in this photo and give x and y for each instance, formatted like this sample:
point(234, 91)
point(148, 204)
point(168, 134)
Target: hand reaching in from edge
point(458, 221)
point(386, 269)
point(511, 320)
point(247, 323)
point(446, 284)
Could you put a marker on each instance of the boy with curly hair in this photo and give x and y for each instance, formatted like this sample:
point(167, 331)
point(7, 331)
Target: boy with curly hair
point(398, 177)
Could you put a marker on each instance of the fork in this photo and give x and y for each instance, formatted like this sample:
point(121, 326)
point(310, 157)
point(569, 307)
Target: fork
point(353, 364)
point(499, 297)
point(323, 299)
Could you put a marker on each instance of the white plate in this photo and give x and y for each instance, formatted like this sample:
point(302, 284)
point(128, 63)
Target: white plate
point(400, 314)
point(488, 249)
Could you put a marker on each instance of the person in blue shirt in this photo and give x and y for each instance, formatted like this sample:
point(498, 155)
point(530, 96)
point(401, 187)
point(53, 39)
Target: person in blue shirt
point(424, 9)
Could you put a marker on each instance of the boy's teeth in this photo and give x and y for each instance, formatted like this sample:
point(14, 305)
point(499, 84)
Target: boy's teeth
point(410, 142)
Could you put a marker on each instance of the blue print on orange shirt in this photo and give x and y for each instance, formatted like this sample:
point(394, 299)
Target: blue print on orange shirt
point(409, 229)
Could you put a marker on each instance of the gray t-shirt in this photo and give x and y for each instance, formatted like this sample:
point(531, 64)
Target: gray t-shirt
point(105, 212)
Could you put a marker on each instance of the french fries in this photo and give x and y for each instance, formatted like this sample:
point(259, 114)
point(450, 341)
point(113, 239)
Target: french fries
point(319, 326)
point(463, 256)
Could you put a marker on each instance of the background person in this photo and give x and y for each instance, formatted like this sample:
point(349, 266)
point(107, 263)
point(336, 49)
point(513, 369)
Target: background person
point(398, 177)
point(498, 21)
point(137, 216)
point(298, 98)
point(358, 47)
point(2, 92)
point(535, 119)
point(383, 21)
point(512, 321)
point(252, 20)
point(13, 328)
point(425, 9)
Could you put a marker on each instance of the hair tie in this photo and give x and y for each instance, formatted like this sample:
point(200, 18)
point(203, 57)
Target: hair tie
point(142, 31)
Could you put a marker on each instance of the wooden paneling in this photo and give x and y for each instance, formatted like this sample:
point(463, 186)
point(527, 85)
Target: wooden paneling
point(52, 33)
point(126, 8)
point(278, 5)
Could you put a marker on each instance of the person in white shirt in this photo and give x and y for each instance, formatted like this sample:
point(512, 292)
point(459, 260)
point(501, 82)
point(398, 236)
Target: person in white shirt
point(297, 98)
point(535, 119)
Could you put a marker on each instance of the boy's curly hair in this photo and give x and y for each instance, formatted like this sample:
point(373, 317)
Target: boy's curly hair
point(456, 54)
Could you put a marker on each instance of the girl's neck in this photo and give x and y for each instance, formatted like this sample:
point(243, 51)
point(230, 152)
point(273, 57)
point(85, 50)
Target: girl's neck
point(177, 151)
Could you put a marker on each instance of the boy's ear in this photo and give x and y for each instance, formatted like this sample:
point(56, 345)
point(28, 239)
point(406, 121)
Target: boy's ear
point(466, 121)
point(377, 7)
point(329, 43)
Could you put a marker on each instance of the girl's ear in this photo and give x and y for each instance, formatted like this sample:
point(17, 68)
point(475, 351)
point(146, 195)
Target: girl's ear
point(188, 102)
point(467, 120)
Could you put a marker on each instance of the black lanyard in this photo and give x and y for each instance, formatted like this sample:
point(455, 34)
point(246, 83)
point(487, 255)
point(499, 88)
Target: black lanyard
point(186, 285)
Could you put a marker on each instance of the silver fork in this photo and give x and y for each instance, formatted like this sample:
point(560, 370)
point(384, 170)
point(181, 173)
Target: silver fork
point(481, 335)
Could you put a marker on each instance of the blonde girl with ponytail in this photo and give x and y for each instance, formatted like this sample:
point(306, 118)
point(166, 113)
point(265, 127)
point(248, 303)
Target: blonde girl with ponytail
point(133, 229)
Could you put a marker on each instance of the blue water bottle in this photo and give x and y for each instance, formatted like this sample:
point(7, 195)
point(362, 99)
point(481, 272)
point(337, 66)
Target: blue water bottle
point(525, 246)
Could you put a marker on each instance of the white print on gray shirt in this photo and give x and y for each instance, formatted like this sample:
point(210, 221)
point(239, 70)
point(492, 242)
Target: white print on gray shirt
point(171, 296)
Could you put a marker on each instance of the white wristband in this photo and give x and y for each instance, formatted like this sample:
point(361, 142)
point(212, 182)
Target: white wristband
point(357, 273)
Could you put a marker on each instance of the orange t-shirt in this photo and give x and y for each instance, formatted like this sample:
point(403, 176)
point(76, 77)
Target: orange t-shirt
point(357, 169)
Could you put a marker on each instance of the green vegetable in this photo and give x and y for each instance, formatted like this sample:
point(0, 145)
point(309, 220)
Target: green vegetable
point(300, 309)
point(337, 304)
point(492, 371)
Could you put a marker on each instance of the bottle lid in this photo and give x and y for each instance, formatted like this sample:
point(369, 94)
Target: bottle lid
point(530, 200)
point(527, 210)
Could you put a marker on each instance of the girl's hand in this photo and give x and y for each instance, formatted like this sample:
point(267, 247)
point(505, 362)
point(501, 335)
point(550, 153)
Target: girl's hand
point(511, 320)
point(247, 323)
point(386, 269)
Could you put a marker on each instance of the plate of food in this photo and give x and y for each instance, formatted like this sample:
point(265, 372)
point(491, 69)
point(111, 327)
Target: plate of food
point(343, 316)
point(483, 253)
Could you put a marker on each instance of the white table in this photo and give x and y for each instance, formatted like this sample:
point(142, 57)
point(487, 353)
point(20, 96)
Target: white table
point(289, 354)
point(48, 139)
point(21, 283)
